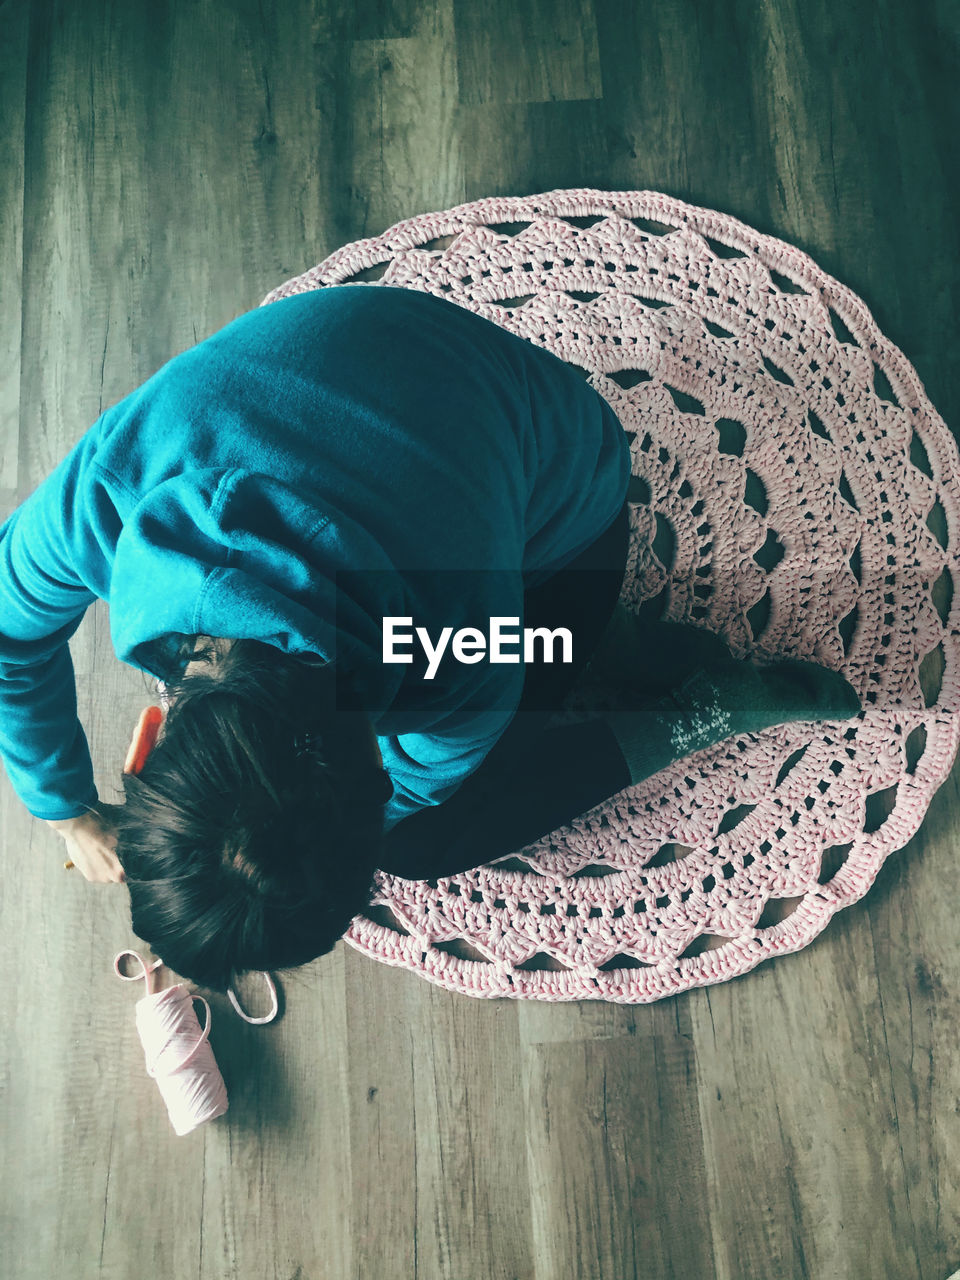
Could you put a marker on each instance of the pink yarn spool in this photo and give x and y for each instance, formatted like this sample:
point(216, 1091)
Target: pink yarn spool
point(177, 1052)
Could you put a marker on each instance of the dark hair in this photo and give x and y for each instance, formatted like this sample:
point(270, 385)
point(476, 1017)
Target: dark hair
point(250, 838)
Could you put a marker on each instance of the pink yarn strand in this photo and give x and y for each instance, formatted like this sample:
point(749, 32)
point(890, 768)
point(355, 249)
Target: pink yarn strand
point(267, 1017)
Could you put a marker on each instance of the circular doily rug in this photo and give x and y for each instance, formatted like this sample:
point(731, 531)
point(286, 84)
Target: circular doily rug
point(795, 491)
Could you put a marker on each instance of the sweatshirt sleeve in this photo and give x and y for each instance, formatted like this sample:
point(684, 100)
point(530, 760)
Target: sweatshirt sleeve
point(528, 786)
point(54, 562)
point(427, 769)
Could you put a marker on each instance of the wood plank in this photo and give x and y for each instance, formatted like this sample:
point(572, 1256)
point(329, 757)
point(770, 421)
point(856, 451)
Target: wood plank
point(559, 40)
point(798, 1125)
point(616, 1168)
point(563, 142)
point(437, 1131)
point(386, 103)
point(13, 98)
point(371, 19)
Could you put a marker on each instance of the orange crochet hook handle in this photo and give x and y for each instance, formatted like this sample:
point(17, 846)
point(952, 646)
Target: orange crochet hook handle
point(144, 737)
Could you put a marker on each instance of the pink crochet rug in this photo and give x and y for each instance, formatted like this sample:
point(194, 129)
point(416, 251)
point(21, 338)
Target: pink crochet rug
point(794, 491)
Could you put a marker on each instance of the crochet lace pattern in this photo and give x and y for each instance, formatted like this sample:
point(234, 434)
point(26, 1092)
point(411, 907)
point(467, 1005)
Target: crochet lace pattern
point(793, 490)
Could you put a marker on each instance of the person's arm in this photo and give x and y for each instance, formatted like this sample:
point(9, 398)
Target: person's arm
point(426, 769)
point(528, 785)
point(53, 565)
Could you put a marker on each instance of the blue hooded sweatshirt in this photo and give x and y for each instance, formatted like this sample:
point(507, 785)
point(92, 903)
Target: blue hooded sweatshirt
point(319, 463)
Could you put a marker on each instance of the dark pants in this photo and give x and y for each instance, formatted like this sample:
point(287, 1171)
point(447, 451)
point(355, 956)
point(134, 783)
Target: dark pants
point(528, 783)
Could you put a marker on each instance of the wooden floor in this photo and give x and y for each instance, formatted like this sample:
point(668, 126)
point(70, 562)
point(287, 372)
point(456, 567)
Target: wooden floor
point(162, 167)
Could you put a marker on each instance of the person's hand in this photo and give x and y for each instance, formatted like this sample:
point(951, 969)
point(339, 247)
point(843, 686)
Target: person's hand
point(91, 837)
point(91, 843)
